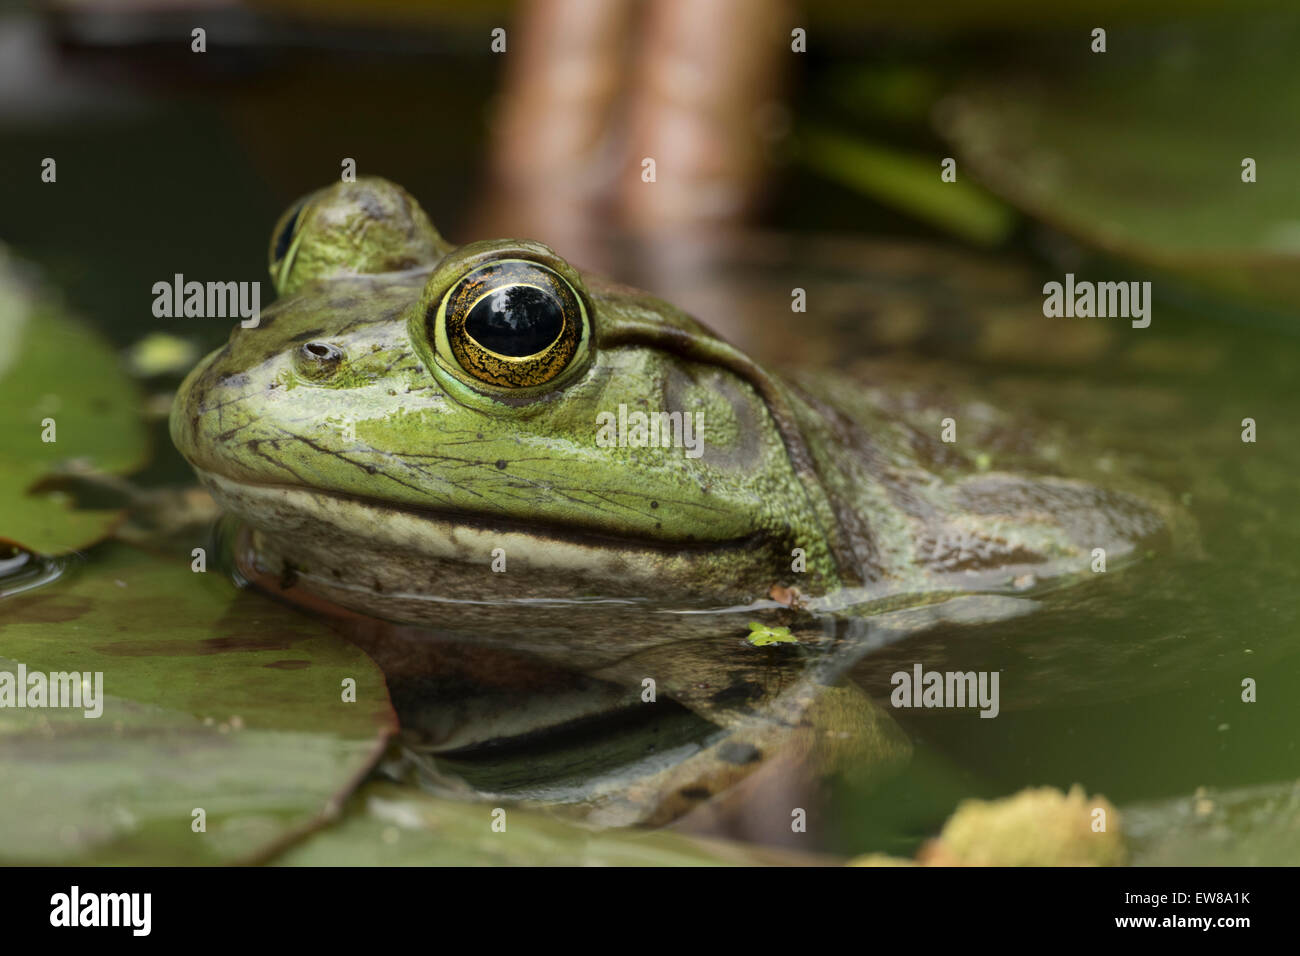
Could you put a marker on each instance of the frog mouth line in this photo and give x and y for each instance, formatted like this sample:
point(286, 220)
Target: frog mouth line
point(424, 529)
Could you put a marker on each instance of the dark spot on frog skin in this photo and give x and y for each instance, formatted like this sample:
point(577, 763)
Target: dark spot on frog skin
point(654, 504)
point(288, 665)
point(695, 793)
point(288, 576)
point(501, 464)
point(371, 469)
point(235, 379)
point(738, 753)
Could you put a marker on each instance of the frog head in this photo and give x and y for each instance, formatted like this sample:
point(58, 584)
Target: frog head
point(411, 418)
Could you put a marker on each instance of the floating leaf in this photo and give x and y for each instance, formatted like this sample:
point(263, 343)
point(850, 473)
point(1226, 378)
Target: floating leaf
point(1139, 151)
point(388, 825)
point(1251, 826)
point(213, 699)
point(52, 369)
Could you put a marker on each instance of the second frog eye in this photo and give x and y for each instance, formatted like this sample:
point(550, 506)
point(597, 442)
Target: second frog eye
point(512, 323)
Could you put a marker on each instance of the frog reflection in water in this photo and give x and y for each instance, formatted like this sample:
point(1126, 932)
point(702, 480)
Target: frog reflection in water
point(413, 433)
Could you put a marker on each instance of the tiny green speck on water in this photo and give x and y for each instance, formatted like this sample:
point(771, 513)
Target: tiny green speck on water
point(760, 635)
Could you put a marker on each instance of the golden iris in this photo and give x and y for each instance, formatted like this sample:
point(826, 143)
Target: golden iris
point(513, 323)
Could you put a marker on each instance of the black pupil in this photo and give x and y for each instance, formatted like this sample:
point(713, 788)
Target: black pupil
point(518, 320)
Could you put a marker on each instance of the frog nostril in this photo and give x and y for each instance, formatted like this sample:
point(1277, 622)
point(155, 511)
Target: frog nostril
point(318, 359)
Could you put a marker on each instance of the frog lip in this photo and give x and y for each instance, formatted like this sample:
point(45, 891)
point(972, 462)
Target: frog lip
point(280, 504)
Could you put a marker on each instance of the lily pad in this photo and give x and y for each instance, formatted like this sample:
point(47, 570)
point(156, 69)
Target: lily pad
point(57, 380)
point(388, 825)
point(213, 699)
point(1139, 151)
point(1250, 826)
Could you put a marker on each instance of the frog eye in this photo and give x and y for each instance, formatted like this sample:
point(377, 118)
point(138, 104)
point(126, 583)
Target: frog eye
point(366, 227)
point(284, 248)
point(512, 322)
point(285, 234)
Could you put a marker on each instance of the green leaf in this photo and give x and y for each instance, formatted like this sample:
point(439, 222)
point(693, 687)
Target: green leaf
point(1250, 826)
point(213, 698)
point(910, 182)
point(52, 368)
point(1138, 151)
point(760, 635)
point(388, 825)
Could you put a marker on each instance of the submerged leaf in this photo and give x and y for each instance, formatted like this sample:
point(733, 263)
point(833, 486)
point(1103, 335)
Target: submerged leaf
point(910, 182)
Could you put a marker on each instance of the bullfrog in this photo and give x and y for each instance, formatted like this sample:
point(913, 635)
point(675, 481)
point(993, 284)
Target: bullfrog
point(485, 442)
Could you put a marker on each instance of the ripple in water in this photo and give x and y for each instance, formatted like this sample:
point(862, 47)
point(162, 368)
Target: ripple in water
point(21, 570)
